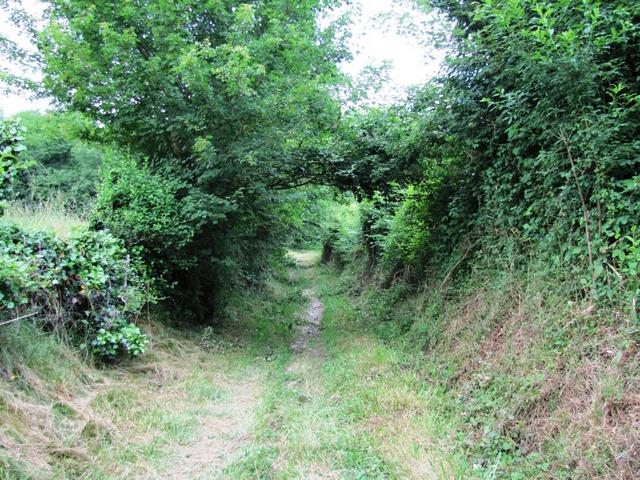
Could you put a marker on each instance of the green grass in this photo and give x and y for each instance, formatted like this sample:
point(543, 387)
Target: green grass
point(362, 416)
point(347, 409)
point(524, 376)
point(50, 215)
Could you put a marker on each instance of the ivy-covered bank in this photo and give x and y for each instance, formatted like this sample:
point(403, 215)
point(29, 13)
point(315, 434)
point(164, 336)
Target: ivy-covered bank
point(87, 288)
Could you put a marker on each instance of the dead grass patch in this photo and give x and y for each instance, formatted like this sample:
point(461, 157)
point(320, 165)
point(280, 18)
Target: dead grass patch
point(138, 413)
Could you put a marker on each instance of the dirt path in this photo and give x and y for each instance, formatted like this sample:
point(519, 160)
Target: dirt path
point(308, 349)
point(311, 328)
point(223, 436)
point(336, 406)
point(324, 401)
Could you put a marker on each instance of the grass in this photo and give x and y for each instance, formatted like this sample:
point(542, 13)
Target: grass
point(305, 258)
point(62, 418)
point(532, 385)
point(497, 377)
point(347, 409)
point(50, 215)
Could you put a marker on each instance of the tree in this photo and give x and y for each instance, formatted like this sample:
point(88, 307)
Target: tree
point(66, 158)
point(230, 102)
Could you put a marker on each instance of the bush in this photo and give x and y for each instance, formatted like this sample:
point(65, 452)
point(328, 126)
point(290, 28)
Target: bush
point(66, 159)
point(11, 144)
point(144, 211)
point(88, 287)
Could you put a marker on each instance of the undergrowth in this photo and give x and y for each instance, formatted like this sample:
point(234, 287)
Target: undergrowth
point(542, 384)
point(88, 288)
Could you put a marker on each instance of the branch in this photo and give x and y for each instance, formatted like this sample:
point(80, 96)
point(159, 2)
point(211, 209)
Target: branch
point(18, 318)
point(585, 210)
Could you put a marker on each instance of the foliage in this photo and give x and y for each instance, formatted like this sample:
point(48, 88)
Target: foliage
point(376, 148)
point(121, 336)
point(532, 133)
point(147, 212)
point(88, 286)
point(224, 106)
point(66, 158)
point(341, 230)
point(11, 144)
point(555, 161)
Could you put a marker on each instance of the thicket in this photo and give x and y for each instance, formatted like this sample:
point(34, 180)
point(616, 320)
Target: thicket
point(88, 289)
point(529, 138)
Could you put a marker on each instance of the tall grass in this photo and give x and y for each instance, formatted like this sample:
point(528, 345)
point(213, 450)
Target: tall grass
point(52, 215)
point(537, 383)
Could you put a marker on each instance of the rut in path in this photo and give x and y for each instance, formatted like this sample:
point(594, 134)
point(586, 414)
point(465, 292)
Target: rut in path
point(311, 328)
point(309, 352)
point(303, 371)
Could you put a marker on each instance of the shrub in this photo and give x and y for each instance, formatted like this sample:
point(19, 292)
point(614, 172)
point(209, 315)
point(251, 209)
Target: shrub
point(88, 287)
point(152, 212)
point(11, 143)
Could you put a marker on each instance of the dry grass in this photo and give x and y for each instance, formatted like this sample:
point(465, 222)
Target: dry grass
point(305, 258)
point(159, 417)
point(50, 215)
point(558, 378)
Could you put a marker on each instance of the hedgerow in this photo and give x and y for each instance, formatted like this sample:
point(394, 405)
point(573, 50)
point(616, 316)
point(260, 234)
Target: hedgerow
point(88, 289)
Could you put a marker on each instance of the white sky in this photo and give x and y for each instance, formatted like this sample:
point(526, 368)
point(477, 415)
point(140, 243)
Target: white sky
point(375, 41)
point(13, 103)
point(371, 43)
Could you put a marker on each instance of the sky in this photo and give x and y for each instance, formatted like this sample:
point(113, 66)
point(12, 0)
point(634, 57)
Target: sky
point(13, 103)
point(373, 42)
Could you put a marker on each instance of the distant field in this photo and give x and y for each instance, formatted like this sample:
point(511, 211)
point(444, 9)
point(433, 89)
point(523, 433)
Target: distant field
point(50, 215)
point(305, 258)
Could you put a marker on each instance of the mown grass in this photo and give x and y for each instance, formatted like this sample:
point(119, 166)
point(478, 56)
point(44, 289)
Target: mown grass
point(62, 417)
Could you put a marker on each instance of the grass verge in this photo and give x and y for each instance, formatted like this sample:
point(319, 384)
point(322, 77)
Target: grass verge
point(62, 417)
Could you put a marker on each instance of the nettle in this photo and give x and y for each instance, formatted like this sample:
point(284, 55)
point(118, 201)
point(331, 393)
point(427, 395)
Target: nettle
point(88, 287)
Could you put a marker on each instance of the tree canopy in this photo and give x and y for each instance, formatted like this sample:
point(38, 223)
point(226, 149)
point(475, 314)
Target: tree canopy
point(223, 107)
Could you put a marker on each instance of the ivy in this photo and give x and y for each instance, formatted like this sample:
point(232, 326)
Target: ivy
point(89, 287)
